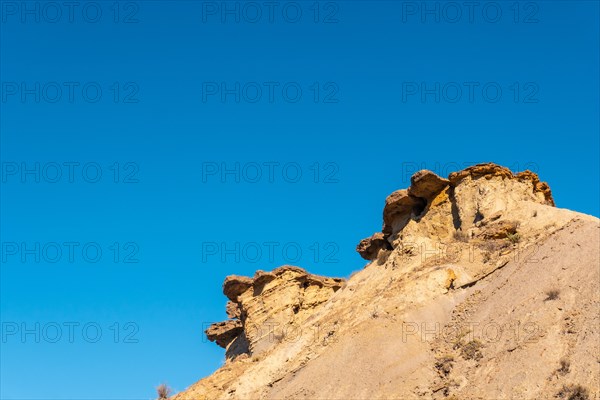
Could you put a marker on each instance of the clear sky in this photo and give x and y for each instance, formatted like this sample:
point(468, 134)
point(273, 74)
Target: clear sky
point(151, 148)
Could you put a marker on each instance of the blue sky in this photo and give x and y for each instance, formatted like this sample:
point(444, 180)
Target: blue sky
point(151, 148)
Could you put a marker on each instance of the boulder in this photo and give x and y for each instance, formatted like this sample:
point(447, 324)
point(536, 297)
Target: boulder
point(235, 285)
point(426, 184)
point(369, 248)
point(400, 204)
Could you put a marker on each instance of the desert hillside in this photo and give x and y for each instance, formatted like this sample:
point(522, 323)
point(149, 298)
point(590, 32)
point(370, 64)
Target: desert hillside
point(477, 287)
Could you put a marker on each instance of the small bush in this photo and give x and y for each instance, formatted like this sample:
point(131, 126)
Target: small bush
point(494, 245)
point(552, 294)
point(573, 392)
point(444, 364)
point(374, 313)
point(565, 366)
point(163, 392)
point(491, 247)
point(513, 237)
point(472, 350)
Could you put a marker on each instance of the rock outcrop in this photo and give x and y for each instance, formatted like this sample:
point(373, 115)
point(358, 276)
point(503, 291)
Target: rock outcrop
point(468, 199)
point(369, 248)
point(263, 307)
point(400, 206)
point(491, 170)
point(224, 332)
point(480, 288)
point(426, 184)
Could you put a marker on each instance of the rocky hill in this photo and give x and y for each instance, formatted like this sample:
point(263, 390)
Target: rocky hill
point(477, 287)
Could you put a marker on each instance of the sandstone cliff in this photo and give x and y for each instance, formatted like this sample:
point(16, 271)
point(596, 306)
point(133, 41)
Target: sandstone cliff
point(478, 287)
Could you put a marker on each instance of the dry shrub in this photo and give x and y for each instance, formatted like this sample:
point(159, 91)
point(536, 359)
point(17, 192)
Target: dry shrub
point(513, 237)
point(444, 364)
point(552, 294)
point(573, 392)
point(163, 392)
point(471, 350)
point(565, 366)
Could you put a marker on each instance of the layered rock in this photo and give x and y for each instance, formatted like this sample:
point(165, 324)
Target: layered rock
point(224, 332)
point(489, 189)
point(466, 198)
point(261, 309)
point(235, 285)
point(484, 290)
point(491, 170)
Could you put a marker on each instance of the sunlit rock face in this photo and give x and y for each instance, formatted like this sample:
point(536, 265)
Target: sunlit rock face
point(478, 287)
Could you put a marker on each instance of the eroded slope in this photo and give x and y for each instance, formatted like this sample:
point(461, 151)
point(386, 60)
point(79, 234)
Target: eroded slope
point(478, 288)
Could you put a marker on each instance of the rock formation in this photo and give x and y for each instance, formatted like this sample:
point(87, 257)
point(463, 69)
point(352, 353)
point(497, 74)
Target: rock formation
point(369, 248)
point(468, 199)
point(292, 295)
point(478, 288)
